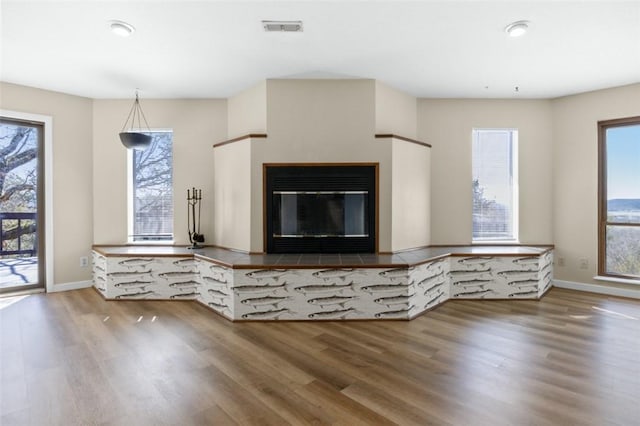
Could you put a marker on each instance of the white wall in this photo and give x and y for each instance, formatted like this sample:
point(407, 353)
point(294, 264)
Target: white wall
point(575, 162)
point(196, 124)
point(72, 176)
point(447, 125)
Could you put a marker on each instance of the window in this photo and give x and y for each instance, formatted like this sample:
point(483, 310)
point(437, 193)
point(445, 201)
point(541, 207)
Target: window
point(151, 190)
point(619, 198)
point(495, 185)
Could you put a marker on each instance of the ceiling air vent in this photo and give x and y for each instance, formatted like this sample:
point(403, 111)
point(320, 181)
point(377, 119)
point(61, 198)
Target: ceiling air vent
point(283, 26)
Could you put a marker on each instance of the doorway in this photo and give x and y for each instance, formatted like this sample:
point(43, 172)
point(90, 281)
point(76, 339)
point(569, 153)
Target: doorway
point(21, 205)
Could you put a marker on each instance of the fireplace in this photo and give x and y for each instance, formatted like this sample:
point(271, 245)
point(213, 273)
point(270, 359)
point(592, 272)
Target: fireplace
point(320, 208)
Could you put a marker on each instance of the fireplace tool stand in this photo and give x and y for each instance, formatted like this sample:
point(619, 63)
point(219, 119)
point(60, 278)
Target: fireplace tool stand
point(193, 202)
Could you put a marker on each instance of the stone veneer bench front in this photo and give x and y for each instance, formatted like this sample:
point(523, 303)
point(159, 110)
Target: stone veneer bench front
point(242, 286)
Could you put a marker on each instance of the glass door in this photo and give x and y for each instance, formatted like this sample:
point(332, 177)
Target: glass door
point(21, 192)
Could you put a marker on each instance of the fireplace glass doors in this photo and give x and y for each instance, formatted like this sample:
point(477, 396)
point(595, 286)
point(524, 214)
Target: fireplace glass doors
point(320, 209)
point(320, 214)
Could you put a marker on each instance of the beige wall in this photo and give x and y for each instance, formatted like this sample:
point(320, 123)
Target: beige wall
point(447, 125)
point(318, 121)
point(196, 124)
point(72, 176)
point(411, 193)
point(329, 121)
point(232, 195)
point(247, 111)
point(396, 112)
point(575, 161)
point(313, 121)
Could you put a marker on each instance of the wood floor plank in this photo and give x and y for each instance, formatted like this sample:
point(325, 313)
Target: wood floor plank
point(73, 358)
point(211, 416)
point(346, 411)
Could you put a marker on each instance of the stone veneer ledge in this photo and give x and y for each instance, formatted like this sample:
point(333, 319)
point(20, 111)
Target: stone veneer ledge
point(242, 286)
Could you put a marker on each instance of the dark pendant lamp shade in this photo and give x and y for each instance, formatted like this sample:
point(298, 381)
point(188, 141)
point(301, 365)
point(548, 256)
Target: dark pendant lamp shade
point(134, 138)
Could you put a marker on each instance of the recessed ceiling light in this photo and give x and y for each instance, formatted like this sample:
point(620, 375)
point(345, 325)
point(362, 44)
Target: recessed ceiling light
point(121, 28)
point(516, 29)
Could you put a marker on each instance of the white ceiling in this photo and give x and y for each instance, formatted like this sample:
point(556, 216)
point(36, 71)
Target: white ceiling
point(214, 49)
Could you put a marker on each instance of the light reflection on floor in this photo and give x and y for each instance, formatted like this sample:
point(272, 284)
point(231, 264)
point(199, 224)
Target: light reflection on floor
point(610, 312)
point(619, 339)
point(5, 302)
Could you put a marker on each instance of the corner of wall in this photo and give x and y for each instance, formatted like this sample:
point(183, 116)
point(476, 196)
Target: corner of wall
point(396, 112)
point(247, 111)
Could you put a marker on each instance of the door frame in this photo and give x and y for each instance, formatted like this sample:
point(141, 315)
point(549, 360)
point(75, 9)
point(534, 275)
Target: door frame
point(47, 123)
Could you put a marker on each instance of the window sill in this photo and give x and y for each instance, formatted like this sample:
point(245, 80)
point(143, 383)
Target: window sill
point(616, 280)
point(495, 243)
point(151, 243)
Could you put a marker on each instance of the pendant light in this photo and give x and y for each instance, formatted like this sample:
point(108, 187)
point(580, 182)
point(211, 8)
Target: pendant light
point(133, 138)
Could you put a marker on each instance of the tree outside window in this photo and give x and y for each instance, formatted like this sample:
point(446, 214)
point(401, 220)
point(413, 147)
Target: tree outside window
point(152, 183)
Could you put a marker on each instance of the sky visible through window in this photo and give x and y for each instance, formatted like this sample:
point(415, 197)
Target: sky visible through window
point(623, 159)
point(622, 193)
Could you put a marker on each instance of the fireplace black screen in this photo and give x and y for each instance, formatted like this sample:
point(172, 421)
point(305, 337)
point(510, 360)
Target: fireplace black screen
point(320, 209)
point(320, 214)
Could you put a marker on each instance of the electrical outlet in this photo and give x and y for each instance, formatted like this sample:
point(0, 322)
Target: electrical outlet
point(584, 263)
point(561, 261)
point(84, 261)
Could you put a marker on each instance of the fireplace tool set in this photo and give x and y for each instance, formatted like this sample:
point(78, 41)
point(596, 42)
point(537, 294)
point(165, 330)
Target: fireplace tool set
point(193, 223)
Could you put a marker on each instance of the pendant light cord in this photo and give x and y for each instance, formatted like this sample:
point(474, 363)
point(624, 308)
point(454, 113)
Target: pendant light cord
point(136, 112)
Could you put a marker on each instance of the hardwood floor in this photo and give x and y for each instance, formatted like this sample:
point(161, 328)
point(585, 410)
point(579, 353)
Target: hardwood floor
point(72, 358)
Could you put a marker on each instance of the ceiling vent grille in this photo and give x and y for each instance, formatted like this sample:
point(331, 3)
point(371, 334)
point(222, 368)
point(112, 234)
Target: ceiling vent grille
point(282, 26)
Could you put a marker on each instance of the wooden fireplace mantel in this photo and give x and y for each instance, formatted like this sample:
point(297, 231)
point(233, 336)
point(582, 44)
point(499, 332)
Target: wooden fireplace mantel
point(240, 138)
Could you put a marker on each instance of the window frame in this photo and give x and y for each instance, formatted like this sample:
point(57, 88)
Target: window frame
point(603, 222)
point(515, 194)
point(47, 122)
point(42, 234)
point(130, 197)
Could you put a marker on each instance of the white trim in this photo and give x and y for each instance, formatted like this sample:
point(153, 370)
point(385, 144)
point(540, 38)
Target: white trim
point(47, 122)
point(515, 184)
point(129, 196)
point(617, 280)
point(596, 288)
point(76, 285)
point(151, 242)
point(495, 242)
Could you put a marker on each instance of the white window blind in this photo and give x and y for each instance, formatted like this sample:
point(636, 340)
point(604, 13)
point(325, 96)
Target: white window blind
point(495, 185)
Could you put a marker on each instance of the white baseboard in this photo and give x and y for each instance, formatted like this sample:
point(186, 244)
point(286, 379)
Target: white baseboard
point(596, 288)
point(70, 286)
